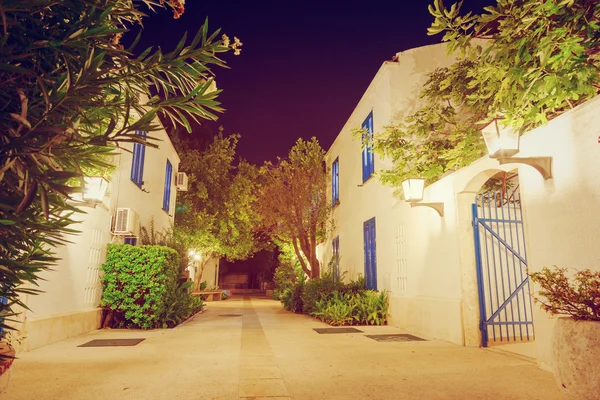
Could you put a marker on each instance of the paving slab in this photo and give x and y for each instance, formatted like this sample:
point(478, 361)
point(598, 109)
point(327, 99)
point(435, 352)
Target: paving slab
point(269, 353)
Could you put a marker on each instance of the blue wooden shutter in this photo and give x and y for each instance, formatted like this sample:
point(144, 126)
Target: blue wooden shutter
point(368, 158)
point(370, 254)
point(137, 164)
point(167, 191)
point(335, 249)
point(335, 182)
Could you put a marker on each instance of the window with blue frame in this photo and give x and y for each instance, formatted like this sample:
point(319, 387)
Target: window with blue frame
point(368, 158)
point(335, 254)
point(137, 164)
point(335, 182)
point(370, 254)
point(167, 191)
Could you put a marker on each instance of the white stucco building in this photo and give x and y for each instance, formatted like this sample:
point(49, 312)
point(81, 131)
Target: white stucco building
point(429, 263)
point(141, 189)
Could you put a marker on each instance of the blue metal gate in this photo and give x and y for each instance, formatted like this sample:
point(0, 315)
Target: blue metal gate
point(370, 254)
point(505, 305)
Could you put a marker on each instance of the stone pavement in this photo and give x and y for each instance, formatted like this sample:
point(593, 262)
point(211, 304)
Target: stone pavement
point(254, 350)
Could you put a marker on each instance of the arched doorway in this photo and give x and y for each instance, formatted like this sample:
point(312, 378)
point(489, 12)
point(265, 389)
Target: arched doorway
point(505, 304)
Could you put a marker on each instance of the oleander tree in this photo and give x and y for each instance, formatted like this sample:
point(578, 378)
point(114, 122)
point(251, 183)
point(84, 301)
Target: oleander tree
point(70, 93)
point(524, 61)
point(293, 202)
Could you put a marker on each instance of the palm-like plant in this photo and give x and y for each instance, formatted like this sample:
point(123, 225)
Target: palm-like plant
point(69, 94)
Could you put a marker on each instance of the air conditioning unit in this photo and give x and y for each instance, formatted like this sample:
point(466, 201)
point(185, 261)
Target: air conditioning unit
point(181, 183)
point(126, 222)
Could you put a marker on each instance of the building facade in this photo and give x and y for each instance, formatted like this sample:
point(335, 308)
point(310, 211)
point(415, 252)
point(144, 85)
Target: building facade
point(448, 274)
point(140, 190)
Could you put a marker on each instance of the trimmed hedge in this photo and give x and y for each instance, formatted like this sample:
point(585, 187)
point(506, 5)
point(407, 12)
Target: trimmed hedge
point(138, 283)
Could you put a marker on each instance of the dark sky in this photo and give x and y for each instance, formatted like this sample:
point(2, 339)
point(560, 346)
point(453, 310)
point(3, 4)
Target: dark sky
point(304, 64)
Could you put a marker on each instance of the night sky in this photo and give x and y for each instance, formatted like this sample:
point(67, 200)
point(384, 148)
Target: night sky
point(304, 64)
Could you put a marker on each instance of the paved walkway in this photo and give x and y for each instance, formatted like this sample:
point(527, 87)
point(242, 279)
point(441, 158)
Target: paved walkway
point(268, 353)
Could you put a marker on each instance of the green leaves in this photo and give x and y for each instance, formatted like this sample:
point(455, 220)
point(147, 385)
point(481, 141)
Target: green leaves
point(70, 93)
point(138, 282)
point(528, 63)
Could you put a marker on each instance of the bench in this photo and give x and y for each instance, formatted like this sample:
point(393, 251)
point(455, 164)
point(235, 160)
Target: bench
point(209, 295)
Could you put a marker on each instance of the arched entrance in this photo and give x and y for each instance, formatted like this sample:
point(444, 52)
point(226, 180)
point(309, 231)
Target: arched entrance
point(505, 305)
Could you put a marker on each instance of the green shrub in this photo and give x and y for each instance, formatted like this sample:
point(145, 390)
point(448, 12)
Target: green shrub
point(138, 282)
point(360, 308)
point(285, 276)
point(286, 299)
point(318, 289)
point(180, 305)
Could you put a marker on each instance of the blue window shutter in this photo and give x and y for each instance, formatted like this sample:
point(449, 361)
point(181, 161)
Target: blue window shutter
point(368, 158)
point(167, 191)
point(335, 182)
point(370, 254)
point(137, 164)
point(335, 250)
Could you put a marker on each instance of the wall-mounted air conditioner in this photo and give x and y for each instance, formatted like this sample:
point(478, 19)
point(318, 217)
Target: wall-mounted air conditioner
point(181, 183)
point(126, 222)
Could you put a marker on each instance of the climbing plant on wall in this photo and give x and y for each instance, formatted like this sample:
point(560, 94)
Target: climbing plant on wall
point(523, 60)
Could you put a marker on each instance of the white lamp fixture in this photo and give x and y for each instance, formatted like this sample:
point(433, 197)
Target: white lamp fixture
point(413, 189)
point(197, 257)
point(503, 143)
point(413, 193)
point(94, 189)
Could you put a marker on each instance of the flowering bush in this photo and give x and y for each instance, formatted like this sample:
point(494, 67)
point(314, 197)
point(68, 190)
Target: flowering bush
point(578, 297)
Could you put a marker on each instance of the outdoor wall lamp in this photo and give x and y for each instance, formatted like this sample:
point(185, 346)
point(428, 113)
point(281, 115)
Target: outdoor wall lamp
point(503, 144)
point(413, 193)
point(94, 189)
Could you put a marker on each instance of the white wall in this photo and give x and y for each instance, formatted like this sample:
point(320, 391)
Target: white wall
point(69, 304)
point(406, 253)
point(427, 262)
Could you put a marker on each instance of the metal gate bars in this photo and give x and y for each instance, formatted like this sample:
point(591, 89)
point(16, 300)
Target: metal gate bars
point(504, 301)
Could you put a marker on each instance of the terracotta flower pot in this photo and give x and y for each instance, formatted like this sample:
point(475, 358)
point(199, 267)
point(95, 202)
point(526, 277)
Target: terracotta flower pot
point(8, 352)
point(576, 346)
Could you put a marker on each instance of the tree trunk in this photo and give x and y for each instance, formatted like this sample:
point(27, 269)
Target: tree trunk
point(300, 258)
point(198, 278)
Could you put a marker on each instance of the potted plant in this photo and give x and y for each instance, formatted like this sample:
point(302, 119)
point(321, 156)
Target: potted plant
point(576, 338)
point(7, 356)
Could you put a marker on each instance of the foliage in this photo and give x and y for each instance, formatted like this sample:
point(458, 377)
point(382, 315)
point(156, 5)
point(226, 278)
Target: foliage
point(293, 202)
point(284, 278)
point(70, 93)
point(137, 283)
point(578, 297)
point(523, 61)
point(179, 306)
point(216, 216)
point(366, 307)
point(288, 272)
point(318, 288)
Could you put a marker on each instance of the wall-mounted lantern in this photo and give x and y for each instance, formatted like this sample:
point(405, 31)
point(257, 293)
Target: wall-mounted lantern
point(413, 189)
point(503, 143)
point(94, 189)
point(413, 193)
